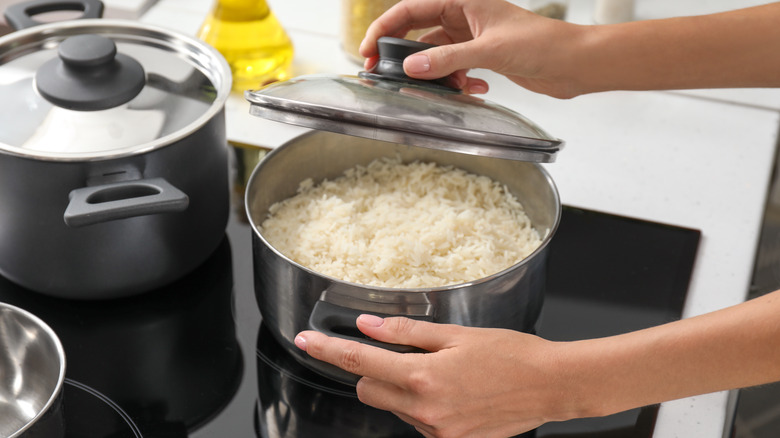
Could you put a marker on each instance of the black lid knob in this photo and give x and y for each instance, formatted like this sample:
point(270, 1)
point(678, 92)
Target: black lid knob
point(89, 75)
point(87, 51)
point(392, 52)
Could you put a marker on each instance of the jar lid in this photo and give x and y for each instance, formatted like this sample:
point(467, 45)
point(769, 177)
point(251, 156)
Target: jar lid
point(98, 88)
point(385, 104)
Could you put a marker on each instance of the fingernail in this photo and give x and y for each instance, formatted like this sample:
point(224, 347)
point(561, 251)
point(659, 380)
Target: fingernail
point(371, 320)
point(417, 64)
point(478, 89)
point(300, 342)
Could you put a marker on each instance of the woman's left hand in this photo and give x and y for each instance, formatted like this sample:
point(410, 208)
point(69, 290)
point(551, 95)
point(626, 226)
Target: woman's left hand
point(474, 382)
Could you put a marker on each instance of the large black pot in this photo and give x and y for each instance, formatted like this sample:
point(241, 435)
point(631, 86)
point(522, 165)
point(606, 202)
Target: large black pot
point(113, 174)
point(292, 297)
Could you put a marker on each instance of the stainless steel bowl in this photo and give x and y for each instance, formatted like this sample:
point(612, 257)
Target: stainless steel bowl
point(32, 373)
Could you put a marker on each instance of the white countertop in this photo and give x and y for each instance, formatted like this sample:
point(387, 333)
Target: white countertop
point(698, 159)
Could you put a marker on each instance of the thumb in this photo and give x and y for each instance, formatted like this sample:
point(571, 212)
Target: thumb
point(405, 331)
point(441, 61)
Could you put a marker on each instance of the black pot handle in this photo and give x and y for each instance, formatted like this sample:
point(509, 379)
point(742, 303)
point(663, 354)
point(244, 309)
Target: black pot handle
point(339, 321)
point(20, 15)
point(96, 204)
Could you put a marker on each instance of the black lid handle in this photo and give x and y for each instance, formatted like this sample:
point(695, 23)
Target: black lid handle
point(392, 52)
point(20, 15)
point(89, 75)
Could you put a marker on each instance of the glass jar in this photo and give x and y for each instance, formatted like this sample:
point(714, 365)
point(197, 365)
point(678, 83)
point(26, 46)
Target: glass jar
point(252, 41)
point(356, 16)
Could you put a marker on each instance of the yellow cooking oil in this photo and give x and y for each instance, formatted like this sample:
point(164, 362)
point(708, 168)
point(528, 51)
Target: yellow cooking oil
point(252, 41)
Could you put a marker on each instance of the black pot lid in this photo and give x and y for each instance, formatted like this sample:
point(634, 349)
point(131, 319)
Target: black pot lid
point(98, 88)
point(387, 105)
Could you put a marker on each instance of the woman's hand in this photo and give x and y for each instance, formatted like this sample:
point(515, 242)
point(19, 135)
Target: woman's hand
point(475, 382)
point(496, 383)
point(561, 59)
point(491, 34)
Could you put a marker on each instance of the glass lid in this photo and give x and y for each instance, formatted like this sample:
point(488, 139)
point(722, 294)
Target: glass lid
point(386, 105)
point(104, 88)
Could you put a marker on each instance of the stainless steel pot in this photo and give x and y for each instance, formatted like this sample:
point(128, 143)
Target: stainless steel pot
point(292, 297)
point(32, 367)
point(113, 174)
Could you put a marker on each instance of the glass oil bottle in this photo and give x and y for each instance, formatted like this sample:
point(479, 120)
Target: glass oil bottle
point(252, 41)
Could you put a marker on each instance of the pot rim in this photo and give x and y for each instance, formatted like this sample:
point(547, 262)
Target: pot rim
point(200, 55)
point(452, 287)
point(62, 363)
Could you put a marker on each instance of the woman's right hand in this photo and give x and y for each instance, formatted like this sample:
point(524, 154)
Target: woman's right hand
point(493, 34)
point(561, 59)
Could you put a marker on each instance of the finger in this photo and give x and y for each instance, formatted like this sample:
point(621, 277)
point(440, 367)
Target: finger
point(441, 61)
point(381, 394)
point(354, 357)
point(459, 79)
point(436, 36)
point(424, 429)
point(370, 63)
point(406, 331)
point(389, 397)
point(424, 432)
point(475, 86)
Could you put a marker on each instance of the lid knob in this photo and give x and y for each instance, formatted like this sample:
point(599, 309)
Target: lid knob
point(392, 52)
point(89, 75)
point(87, 51)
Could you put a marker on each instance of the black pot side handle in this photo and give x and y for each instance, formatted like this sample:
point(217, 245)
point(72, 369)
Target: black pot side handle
point(20, 15)
point(339, 321)
point(122, 200)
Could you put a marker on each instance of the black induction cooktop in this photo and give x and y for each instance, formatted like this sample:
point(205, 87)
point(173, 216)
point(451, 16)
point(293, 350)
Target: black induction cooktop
point(193, 359)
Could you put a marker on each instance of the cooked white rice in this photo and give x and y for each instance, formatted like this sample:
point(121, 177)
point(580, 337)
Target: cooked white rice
point(403, 226)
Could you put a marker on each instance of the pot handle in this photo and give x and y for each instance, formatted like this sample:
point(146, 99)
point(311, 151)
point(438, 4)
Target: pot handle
point(96, 204)
point(339, 321)
point(20, 15)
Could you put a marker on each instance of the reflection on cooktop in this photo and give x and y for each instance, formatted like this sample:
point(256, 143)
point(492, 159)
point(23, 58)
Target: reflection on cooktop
point(294, 401)
point(169, 363)
point(105, 419)
point(168, 360)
